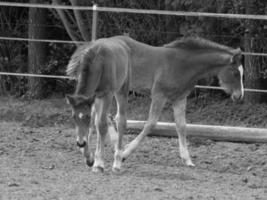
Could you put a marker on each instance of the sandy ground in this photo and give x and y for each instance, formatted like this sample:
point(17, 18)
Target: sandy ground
point(40, 161)
point(44, 163)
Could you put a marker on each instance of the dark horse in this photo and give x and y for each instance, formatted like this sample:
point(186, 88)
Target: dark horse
point(111, 66)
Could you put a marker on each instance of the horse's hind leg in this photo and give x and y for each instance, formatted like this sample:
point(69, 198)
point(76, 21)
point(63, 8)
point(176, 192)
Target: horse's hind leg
point(121, 120)
point(157, 104)
point(102, 108)
point(179, 116)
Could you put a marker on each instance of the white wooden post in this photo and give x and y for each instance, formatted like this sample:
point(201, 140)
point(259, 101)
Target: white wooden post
point(222, 133)
point(94, 22)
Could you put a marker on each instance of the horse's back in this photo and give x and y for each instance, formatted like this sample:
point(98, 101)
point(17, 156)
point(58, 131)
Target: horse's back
point(113, 57)
point(143, 61)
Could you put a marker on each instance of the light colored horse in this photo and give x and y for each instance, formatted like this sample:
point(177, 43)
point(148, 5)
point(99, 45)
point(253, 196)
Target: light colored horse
point(169, 72)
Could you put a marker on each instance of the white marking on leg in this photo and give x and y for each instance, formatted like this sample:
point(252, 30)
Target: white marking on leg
point(131, 147)
point(185, 153)
point(157, 104)
point(179, 116)
point(112, 134)
point(99, 162)
point(98, 165)
point(241, 70)
point(117, 161)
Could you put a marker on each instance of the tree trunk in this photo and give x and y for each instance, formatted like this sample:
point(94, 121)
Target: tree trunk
point(252, 76)
point(76, 23)
point(169, 23)
point(80, 19)
point(63, 15)
point(36, 50)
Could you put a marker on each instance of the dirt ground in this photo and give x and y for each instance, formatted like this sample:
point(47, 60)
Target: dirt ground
point(39, 160)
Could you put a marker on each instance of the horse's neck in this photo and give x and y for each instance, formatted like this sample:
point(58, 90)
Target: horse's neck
point(210, 62)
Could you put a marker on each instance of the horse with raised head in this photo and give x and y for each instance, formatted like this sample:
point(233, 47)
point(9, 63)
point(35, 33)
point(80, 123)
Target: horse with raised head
point(110, 66)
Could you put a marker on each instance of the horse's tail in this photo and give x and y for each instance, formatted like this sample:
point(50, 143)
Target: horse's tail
point(82, 66)
point(74, 65)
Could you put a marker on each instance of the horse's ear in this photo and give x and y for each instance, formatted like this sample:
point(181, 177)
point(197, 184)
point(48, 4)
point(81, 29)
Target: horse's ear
point(76, 100)
point(91, 100)
point(237, 51)
point(84, 99)
point(70, 99)
point(237, 56)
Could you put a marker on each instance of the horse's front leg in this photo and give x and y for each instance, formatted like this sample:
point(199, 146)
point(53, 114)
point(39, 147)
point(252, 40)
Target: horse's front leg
point(179, 116)
point(121, 128)
point(102, 108)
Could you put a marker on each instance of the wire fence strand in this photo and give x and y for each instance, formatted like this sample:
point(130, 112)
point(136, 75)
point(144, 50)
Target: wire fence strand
point(68, 77)
point(35, 75)
point(124, 10)
point(41, 40)
point(83, 42)
point(138, 11)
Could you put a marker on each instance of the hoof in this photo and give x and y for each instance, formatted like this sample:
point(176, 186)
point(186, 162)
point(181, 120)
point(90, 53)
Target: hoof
point(98, 169)
point(189, 163)
point(89, 163)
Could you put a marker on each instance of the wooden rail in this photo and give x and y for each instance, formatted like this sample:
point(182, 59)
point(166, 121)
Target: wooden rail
point(220, 133)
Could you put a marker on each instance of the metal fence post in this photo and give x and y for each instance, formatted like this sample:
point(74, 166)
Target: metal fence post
point(94, 22)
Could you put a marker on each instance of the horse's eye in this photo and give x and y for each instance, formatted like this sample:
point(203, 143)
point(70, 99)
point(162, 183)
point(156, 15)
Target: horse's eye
point(236, 73)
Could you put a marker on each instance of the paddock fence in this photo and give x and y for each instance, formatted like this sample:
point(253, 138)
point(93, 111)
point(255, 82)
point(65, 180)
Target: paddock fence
point(226, 133)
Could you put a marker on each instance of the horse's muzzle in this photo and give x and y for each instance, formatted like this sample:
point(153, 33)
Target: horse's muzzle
point(237, 96)
point(89, 162)
point(81, 145)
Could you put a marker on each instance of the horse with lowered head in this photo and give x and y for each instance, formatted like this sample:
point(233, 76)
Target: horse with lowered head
point(111, 66)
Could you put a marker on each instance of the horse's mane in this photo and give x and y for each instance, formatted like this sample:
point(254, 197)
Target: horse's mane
point(73, 67)
point(196, 43)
